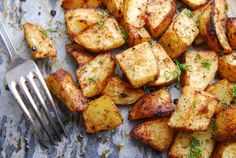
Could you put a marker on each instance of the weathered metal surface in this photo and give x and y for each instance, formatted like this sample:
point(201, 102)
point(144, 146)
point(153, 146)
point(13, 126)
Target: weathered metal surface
point(16, 137)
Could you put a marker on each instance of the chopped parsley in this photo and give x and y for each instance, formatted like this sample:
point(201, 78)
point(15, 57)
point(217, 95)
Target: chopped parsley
point(189, 13)
point(194, 145)
point(206, 64)
point(66, 119)
point(52, 30)
point(101, 21)
point(124, 35)
point(179, 68)
point(44, 32)
point(104, 153)
point(91, 80)
point(194, 104)
point(234, 91)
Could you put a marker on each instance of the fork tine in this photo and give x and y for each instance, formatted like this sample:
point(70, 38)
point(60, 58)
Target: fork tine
point(30, 78)
point(55, 110)
point(12, 87)
point(34, 106)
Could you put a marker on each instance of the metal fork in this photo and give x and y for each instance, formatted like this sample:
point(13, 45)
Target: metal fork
point(21, 76)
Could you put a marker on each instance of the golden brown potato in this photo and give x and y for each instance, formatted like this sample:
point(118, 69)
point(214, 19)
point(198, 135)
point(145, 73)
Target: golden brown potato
point(61, 84)
point(231, 28)
point(227, 67)
point(39, 42)
point(102, 114)
point(94, 75)
point(134, 12)
point(198, 12)
point(194, 110)
point(135, 35)
point(78, 20)
point(80, 55)
point(155, 133)
point(212, 24)
point(73, 4)
point(166, 66)
point(115, 7)
point(157, 103)
point(140, 68)
point(222, 90)
point(104, 36)
point(159, 16)
point(180, 34)
point(201, 68)
point(195, 4)
point(121, 92)
point(225, 150)
point(199, 40)
point(197, 144)
point(226, 124)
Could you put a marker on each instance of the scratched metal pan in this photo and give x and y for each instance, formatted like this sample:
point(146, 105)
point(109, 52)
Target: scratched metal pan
point(16, 137)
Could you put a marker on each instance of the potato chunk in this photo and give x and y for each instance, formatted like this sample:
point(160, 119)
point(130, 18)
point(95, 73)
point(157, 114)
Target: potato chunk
point(159, 16)
point(201, 68)
point(39, 42)
point(121, 92)
point(227, 67)
point(135, 35)
point(166, 66)
point(102, 114)
point(115, 7)
point(139, 67)
point(93, 76)
point(157, 103)
point(79, 54)
point(231, 28)
point(73, 4)
point(134, 11)
point(222, 90)
point(225, 150)
point(61, 84)
point(155, 133)
point(194, 110)
point(195, 4)
point(102, 37)
point(180, 34)
point(193, 144)
point(226, 124)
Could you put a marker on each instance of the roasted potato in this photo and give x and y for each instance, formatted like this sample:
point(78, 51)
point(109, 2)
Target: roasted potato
point(231, 28)
point(180, 34)
point(222, 90)
point(94, 75)
point(201, 68)
point(225, 150)
point(102, 114)
point(121, 92)
point(166, 66)
point(80, 55)
point(155, 133)
point(226, 124)
point(134, 12)
point(194, 110)
point(212, 24)
point(199, 40)
point(197, 144)
point(40, 44)
point(195, 4)
point(135, 35)
point(140, 68)
point(115, 7)
point(159, 16)
point(61, 84)
point(227, 67)
point(102, 37)
point(157, 103)
point(73, 4)
point(79, 20)
point(198, 12)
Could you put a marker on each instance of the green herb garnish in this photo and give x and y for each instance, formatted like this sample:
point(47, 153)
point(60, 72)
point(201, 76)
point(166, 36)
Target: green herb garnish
point(66, 119)
point(189, 13)
point(52, 30)
point(104, 153)
point(179, 69)
point(91, 80)
point(124, 35)
point(206, 64)
point(44, 32)
point(234, 91)
point(101, 21)
point(194, 145)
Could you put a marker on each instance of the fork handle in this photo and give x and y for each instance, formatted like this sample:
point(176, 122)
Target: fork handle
point(10, 47)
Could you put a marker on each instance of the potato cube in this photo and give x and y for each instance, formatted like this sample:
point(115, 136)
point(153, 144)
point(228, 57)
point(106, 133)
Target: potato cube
point(231, 28)
point(225, 150)
point(73, 4)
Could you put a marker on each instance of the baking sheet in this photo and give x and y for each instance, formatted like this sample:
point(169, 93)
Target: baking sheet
point(16, 137)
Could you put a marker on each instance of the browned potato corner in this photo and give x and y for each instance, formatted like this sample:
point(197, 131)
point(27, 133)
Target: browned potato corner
point(73, 4)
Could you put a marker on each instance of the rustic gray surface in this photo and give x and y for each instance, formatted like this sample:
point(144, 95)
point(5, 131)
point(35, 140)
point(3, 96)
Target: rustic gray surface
point(16, 139)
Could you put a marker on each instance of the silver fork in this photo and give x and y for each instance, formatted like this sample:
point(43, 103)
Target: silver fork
point(21, 76)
